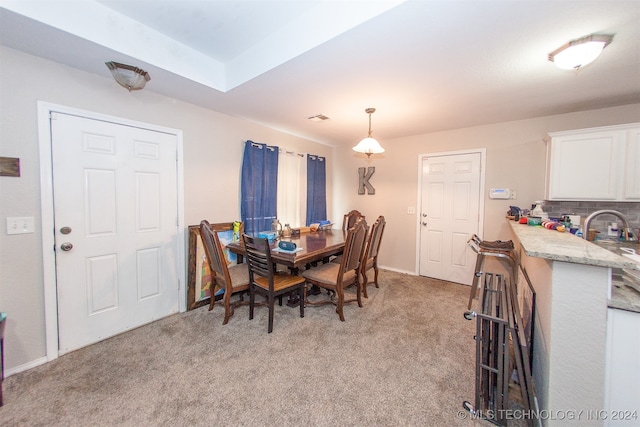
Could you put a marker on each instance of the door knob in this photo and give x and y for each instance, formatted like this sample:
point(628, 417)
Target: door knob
point(66, 246)
point(424, 223)
point(424, 215)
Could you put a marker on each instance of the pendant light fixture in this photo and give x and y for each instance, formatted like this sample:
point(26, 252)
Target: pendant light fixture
point(128, 76)
point(369, 145)
point(580, 52)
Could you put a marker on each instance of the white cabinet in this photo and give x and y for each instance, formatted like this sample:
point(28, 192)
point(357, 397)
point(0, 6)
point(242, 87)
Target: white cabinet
point(632, 167)
point(622, 371)
point(594, 164)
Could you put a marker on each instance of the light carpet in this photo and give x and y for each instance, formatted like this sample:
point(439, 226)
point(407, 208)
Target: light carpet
point(404, 359)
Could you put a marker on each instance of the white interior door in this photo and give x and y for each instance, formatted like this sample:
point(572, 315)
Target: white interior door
point(115, 215)
point(450, 215)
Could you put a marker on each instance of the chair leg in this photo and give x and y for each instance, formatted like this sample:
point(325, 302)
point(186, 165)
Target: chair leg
point(252, 300)
point(302, 296)
point(340, 305)
point(359, 292)
point(227, 307)
point(476, 278)
point(212, 300)
point(272, 303)
point(375, 275)
point(365, 280)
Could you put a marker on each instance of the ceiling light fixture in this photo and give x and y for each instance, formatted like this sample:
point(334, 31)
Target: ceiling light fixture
point(580, 52)
point(128, 76)
point(369, 145)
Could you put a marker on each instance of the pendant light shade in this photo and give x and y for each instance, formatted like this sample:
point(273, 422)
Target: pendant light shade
point(369, 145)
point(128, 76)
point(580, 52)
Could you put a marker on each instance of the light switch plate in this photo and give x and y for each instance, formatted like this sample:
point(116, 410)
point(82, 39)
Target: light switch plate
point(411, 210)
point(20, 225)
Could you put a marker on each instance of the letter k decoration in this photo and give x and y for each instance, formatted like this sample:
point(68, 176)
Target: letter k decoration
point(363, 180)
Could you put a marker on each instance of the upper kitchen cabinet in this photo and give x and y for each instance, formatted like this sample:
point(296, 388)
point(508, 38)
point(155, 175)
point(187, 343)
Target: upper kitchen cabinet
point(632, 167)
point(594, 164)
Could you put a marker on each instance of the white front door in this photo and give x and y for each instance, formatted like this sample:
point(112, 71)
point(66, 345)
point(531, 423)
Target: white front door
point(115, 215)
point(450, 215)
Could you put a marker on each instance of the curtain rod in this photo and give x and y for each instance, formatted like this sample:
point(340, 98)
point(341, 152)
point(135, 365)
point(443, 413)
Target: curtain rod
point(280, 150)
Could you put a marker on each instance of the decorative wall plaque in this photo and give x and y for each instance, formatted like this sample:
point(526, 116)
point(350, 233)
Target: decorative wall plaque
point(363, 180)
point(9, 166)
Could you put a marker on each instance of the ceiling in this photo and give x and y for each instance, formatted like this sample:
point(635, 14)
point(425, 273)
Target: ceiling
point(425, 66)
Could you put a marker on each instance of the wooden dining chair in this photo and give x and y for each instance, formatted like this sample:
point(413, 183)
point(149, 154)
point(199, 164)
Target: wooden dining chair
point(265, 280)
point(232, 279)
point(370, 254)
point(335, 277)
point(350, 219)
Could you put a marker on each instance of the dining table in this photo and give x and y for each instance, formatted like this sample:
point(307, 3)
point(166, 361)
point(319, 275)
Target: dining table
point(311, 248)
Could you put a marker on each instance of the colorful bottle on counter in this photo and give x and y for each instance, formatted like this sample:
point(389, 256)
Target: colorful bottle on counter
point(553, 225)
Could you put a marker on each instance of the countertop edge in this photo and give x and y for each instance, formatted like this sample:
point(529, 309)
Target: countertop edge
point(542, 243)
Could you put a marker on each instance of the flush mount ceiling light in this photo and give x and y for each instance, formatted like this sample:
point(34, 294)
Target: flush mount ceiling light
point(128, 76)
point(580, 52)
point(369, 145)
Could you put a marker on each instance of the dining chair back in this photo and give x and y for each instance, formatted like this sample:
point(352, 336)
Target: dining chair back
point(350, 219)
point(232, 279)
point(335, 277)
point(370, 254)
point(265, 280)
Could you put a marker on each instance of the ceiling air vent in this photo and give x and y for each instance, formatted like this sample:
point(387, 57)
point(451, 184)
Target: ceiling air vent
point(318, 118)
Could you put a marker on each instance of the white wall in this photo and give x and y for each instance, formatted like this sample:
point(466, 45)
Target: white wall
point(515, 159)
point(212, 158)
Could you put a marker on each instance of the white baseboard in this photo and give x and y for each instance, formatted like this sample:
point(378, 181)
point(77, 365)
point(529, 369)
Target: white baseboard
point(411, 273)
point(26, 366)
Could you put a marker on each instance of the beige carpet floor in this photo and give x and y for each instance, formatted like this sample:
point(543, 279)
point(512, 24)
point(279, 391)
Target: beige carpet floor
point(405, 359)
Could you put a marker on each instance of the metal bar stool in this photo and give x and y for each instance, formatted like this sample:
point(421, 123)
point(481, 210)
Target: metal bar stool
point(499, 249)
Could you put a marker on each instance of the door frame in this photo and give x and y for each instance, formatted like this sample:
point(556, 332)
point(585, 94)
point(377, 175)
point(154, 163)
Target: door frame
point(483, 162)
point(45, 109)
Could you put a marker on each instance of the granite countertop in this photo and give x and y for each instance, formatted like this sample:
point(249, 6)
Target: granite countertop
point(553, 245)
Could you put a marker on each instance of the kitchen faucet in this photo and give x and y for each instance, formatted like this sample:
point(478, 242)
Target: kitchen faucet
point(627, 234)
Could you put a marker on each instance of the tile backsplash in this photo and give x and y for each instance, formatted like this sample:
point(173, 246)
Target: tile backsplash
point(629, 209)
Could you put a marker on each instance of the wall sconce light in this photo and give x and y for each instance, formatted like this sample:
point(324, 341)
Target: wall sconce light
point(128, 76)
point(369, 145)
point(580, 52)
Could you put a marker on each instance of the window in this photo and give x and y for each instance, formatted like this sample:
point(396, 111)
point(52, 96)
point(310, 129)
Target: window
point(292, 188)
point(276, 184)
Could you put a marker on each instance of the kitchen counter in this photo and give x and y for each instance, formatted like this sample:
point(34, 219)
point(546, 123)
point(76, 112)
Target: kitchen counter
point(542, 243)
point(587, 320)
point(556, 246)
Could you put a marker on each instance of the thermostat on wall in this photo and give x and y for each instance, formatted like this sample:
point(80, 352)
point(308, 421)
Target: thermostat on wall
point(500, 193)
